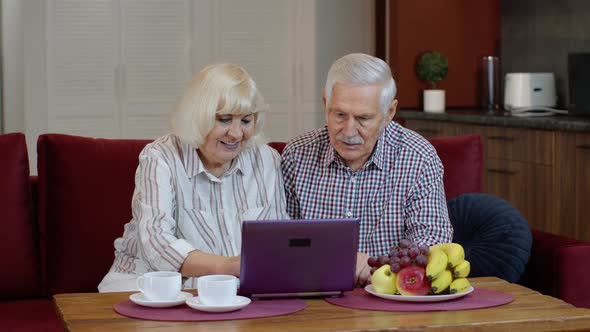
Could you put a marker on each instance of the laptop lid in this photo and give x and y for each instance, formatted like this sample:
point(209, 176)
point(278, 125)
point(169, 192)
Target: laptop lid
point(282, 258)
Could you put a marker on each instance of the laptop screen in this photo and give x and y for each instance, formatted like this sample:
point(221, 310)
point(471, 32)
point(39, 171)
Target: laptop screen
point(298, 257)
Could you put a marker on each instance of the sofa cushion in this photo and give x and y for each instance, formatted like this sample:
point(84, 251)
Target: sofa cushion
point(496, 237)
point(555, 268)
point(18, 250)
point(30, 315)
point(462, 158)
point(85, 189)
point(279, 146)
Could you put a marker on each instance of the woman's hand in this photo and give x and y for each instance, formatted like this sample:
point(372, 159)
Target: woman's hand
point(199, 263)
point(232, 266)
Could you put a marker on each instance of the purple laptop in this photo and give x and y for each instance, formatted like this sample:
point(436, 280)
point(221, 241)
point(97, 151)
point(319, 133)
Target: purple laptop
point(284, 258)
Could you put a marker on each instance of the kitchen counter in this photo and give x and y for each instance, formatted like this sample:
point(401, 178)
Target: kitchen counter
point(501, 118)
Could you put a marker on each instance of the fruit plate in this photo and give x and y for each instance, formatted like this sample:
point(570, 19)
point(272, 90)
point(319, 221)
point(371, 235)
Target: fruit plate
point(417, 298)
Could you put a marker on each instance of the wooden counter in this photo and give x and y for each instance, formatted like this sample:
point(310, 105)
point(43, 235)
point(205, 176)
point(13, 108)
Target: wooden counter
point(540, 165)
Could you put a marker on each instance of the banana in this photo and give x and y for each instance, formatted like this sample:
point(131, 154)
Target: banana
point(442, 282)
point(437, 263)
point(462, 269)
point(436, 247)
point(454, 251)
point(459, 285)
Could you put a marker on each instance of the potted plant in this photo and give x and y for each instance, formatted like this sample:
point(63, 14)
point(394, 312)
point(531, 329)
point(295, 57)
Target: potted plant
point(431, 68)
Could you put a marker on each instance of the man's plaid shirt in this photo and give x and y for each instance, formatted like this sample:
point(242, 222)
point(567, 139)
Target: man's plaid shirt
point(397, 193)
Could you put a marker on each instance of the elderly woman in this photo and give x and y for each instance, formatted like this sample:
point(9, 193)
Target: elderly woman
point(195, 186)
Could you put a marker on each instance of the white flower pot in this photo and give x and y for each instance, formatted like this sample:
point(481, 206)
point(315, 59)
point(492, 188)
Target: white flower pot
point(434, 101)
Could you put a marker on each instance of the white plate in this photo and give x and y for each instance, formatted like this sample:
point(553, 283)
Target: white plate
point(240, 302)
point(417, 298)
point(139, 298)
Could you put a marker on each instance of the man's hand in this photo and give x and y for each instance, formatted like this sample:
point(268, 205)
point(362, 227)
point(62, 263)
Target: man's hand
point(363, 271)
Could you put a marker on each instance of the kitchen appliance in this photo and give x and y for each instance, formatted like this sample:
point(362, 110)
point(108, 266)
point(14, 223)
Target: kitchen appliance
point(578, 68)
point(530, 94)
point(490, 93)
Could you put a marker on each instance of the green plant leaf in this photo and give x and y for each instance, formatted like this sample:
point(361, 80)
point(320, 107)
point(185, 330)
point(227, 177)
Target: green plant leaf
point(432, 67)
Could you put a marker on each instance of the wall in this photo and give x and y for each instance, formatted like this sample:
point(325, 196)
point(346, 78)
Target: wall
point(462, 30)
point(537, 35)
point(12, 67)
point(319, 31)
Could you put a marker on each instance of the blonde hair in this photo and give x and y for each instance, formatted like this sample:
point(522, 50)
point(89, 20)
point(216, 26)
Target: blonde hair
point(217, 89)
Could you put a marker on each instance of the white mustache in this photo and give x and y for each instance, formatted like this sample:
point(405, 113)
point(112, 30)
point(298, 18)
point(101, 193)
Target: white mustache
point(351, 140)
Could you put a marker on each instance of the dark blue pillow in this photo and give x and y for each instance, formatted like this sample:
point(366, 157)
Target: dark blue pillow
point(496, 237)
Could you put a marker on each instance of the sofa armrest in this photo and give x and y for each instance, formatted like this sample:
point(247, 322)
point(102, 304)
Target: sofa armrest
point(34, 181)
point(558, 267)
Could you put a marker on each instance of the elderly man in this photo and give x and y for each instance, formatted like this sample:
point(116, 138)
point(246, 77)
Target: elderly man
point(362, 164)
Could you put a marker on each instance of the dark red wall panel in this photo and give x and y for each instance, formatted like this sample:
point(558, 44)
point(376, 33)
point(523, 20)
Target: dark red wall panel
point(462, 30)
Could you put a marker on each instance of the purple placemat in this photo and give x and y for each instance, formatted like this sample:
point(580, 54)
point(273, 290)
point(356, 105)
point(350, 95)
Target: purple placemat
point(479, 298)
point(256, 309)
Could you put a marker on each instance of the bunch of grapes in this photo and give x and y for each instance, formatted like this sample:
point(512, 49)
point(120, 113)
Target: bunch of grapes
point(404, 254)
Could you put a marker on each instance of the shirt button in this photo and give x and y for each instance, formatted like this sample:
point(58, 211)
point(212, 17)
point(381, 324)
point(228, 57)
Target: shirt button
point(353, 179)
point(349, 214)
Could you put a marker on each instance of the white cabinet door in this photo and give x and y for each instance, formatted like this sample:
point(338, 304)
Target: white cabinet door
point(115, 68)
point(155, 63)
point(82, 53)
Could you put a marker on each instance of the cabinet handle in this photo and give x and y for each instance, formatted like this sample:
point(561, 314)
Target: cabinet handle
point(501, 171)
point(583, 147)
point(502, 138)
point(427, 131)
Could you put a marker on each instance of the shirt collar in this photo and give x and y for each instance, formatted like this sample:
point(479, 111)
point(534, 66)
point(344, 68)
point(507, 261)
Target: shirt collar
point(330, 155)
point(377, 156)
point(194, 166)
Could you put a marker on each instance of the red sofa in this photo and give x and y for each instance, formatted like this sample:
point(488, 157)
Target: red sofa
point(24, 305)
point(58, 232)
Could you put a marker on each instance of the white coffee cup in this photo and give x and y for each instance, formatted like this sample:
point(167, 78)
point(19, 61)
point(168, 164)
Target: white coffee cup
point(217, 289)
point(160, 285)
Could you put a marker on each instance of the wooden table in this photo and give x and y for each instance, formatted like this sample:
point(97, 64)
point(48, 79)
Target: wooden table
point(530, 311)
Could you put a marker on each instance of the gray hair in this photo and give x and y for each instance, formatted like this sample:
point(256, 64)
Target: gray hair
point(223, 88)
point(362, 69)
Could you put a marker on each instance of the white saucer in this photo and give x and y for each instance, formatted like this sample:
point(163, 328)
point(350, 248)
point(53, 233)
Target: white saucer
point(240, 302)
point(139, 298)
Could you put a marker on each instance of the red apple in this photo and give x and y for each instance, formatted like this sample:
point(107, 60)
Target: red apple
point(411, 280)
